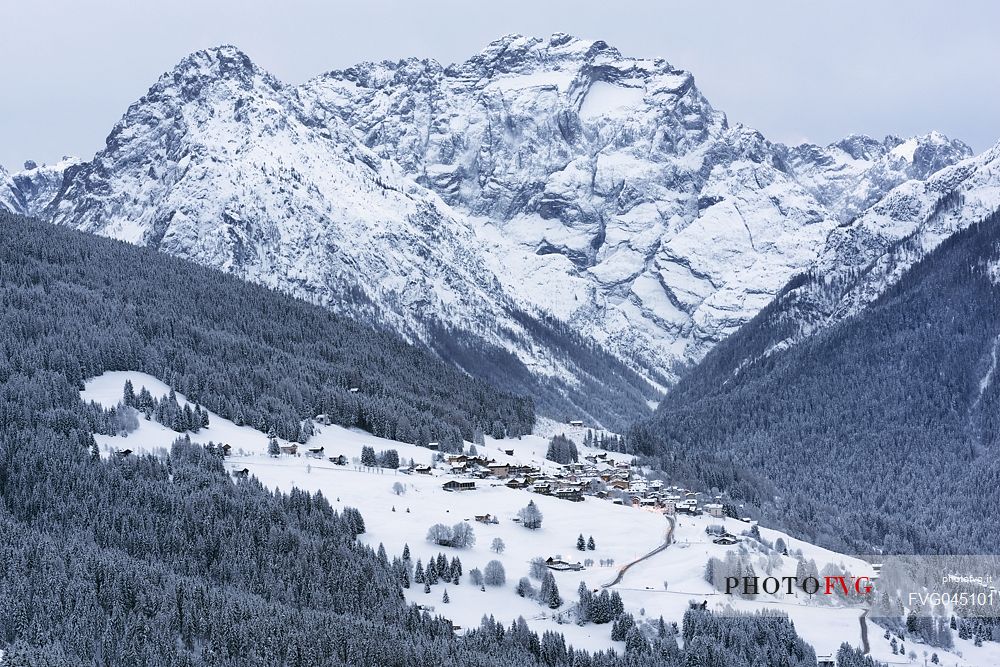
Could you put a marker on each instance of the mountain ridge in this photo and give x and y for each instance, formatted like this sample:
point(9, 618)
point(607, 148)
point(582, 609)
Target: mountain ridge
point(548, 178)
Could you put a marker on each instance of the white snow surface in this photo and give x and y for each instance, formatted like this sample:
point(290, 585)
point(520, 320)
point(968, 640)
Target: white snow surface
point(621, 533)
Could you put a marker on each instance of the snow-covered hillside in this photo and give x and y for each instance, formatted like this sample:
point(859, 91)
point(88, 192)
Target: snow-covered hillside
point(663, 584)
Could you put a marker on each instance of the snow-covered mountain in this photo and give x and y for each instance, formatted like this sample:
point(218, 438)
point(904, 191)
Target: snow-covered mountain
point(31, 190)
point(220, 163)
point(865, 257)
point(542, 177)
point(611, 192)
point(8, 192)
point(851, 175)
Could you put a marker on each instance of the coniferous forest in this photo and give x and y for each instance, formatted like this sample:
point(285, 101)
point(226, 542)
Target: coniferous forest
point(84, 305)
point(170, 561)
point(878, 433)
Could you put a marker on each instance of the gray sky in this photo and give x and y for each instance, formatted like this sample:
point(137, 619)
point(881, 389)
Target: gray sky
point(795, 70)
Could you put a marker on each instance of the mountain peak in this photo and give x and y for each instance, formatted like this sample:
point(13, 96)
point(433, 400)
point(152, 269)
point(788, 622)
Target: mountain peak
point(515, 52)
point(216, 64)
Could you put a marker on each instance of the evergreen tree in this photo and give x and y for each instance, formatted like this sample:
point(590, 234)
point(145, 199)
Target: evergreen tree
point(128, 395)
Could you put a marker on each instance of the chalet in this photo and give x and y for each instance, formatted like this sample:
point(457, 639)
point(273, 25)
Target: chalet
point(509, 451)
point(226, 449)
point(315, 453)
point(458, 485)
point(620, 484)
point(560, 565)
point(826, 661)
point(354, 390)
point(459, 467)
point(575, 422)
point(500, 470)
point(240, 474)
point(543, 488)
point(423, 469)
point(727, 540)
point(569, 493)
point(291, 448)
point(457, 458)
point(516, 483)
point(638, 486)
point(686, 507)
point(122, 453)
point(487, 518)
point(323, 419)
point(339, 460)
point(648, 502)
point(714, 510)
point(434, 446)
point(617, 501)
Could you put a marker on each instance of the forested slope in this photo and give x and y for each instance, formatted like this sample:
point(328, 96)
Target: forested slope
point(146, 561)
point(880, 432)
point(80, 305)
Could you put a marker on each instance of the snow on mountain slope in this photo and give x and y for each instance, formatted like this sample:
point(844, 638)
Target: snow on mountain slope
point(219, 164)
point(852, 174)
point(8, 193)
point(549, 176)
point(39, 185)
point(610, 191)
point(865, 257)
point(31, 190)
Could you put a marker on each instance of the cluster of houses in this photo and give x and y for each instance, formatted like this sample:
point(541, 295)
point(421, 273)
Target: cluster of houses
point(598, 475)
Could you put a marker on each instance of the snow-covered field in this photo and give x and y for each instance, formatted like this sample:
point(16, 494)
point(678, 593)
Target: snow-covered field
point(662, 585)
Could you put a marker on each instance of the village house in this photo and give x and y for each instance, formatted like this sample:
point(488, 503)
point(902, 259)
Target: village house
point(499, 470)
point(339, 460)
point(714, 510)
point(458, 485)
point(315, 453)
point(291, 449)
point(516, 483)
point(240, 474)
point(560, 565)
point(422, 469)
point(575, 422)
point(569, 493)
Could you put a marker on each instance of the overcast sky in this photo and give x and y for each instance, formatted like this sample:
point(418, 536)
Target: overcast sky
point(794, 70)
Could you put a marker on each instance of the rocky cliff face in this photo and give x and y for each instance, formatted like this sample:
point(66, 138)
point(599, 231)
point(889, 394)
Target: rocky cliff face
point(610, 191)
point(31, 190)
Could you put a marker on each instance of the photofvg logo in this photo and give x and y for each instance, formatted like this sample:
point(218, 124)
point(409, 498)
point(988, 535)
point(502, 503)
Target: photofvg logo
point(919, 592)
point(840, 585)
